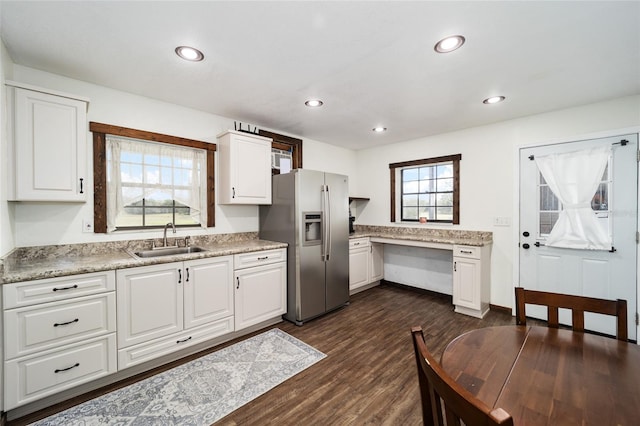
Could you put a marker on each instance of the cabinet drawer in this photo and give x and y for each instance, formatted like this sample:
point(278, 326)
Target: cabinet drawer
point(358, 242)
point(51, 289)
point(256, 258)
point(45, 326)
point(150, 350)
point(31, 378)
point(472, 252)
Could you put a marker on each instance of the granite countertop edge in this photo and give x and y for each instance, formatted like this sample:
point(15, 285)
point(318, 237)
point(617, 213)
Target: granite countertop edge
point(467, 238)
point(35, 269)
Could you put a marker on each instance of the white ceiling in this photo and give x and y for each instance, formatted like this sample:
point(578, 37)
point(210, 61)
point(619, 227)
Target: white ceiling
point(372, 63)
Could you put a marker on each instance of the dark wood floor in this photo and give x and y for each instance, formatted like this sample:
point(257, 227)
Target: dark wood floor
point(368, 376)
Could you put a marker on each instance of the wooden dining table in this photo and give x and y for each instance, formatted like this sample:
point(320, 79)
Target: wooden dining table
point(547, 376)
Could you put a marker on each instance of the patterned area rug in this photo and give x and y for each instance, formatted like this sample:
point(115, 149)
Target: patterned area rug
point(202, 391)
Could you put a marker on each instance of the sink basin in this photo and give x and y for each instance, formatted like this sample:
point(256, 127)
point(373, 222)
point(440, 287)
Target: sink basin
point(168, 251)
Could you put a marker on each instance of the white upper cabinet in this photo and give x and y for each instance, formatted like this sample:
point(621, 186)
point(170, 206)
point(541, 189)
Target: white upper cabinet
point(244, 168)
point(49, 145)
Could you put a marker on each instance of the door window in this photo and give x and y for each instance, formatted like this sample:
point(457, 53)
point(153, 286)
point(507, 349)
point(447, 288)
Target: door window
point(550, 207)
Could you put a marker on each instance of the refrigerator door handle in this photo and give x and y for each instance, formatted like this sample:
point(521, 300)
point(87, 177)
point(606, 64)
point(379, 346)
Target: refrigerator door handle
point(325, 222)
point(328, 216)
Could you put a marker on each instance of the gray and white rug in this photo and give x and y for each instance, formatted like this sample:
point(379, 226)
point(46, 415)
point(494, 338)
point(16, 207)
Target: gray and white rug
point(201, 391)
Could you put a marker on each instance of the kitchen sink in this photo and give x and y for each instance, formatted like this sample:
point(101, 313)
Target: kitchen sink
point(167, 251)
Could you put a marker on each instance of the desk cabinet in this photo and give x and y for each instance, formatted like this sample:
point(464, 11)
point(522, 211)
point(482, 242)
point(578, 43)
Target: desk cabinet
point(366, 263)
point(471, 285)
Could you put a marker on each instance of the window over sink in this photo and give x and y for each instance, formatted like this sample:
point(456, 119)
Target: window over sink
point(155, 179)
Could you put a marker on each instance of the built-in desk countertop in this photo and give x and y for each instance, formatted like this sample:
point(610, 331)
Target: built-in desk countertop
point(471, 260)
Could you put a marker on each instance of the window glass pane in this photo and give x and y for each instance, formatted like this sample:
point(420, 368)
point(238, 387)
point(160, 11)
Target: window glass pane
point(410, 187)
point(445, 213)
point(166, 177)
point(131, 172)
point(428, 212)
point(132, 216)
point(445, 170)
point(158, 216)
point(152, 159)
point(409, 200)
point(600, 200)
point(410, 213)
point(427, 199)
point(409, 174)
point(547, 220)
point(445, 184)
point(444, 200)
point(428, 185)
point(548, 201)
point(428, 172)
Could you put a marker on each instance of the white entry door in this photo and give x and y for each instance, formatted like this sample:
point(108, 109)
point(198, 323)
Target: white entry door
point(607, 274)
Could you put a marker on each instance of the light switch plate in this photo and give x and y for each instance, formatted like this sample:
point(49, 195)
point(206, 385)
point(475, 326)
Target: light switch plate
point(501, 221)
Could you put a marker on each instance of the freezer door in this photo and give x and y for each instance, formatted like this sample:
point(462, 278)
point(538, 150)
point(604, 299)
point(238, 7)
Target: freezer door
point(337, 266)
point(310, 291)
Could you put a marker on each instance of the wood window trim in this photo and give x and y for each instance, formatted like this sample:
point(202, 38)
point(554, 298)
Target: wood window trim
point(100, 132)
point(456, 181)
point(285, 143)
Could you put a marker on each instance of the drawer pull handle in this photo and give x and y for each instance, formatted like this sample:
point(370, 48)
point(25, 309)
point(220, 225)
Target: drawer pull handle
point(60, 370)
point(466, 251)
point(187, 280)
point(81, 186)
point(179, 276)
point(58, 324)
point(183, 340)
point(65, 288)
point(263, 258)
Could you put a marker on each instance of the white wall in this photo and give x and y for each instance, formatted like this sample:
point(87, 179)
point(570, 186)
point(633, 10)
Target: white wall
point(6, 209)
point(488, 172)
point(48, 223)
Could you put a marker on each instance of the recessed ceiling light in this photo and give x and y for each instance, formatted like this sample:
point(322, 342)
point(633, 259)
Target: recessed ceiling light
point(449, 44)
point(313, 103)
point(379, 129)
point(189, 53)
point(493, 100)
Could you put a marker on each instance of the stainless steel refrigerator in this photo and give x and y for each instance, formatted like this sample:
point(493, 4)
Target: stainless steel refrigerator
point(310, 212)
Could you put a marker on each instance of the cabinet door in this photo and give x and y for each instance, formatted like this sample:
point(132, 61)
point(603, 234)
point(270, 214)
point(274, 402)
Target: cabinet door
point(50, 147)
point(149, 302)
point(466, 283)
point(245, 169)
point(376, 265)
point(260, 294)
point(358, 267)
point(208, 290)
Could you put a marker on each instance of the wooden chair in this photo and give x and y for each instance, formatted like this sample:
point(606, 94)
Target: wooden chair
point(437, 388)
point(578, 305)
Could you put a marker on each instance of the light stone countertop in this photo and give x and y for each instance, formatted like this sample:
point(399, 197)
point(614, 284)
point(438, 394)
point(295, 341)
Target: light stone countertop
point(32, 263)
point(426, 235)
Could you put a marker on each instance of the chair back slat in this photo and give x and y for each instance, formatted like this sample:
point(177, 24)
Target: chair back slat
point(578, 305)
point(438, 389)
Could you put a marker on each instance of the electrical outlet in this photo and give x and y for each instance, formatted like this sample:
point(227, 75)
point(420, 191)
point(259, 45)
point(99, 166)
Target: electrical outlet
point(501, 221)
point(87, 225)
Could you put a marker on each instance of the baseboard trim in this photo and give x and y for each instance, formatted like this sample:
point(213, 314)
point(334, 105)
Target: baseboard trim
point(499, 308)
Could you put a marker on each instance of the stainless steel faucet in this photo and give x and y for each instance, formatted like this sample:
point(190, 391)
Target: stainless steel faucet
point(164, 239)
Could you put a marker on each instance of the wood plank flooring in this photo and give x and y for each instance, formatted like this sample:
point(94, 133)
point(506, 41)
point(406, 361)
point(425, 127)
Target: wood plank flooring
point(369, 375)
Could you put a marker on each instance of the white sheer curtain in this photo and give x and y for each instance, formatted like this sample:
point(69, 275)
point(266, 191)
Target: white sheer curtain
point(140, 169)
point(574, 178)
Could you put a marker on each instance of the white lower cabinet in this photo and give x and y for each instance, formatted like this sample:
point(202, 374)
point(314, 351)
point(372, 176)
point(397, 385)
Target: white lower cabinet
point(167, 307)
point(471, 281)
point(260, 287)
point(58, 333)
point(366, 263)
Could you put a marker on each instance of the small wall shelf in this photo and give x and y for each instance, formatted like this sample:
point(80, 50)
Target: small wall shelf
point(358, 199)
